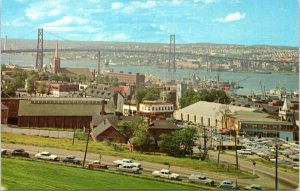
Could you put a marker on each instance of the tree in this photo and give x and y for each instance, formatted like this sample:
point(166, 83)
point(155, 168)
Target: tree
point(42, 88)
point(19, 76)
point(141, 137)
point(146, 93)
point(127, 128)
point(178, 143)
point(30, 85)
point(64, 78)
point(188, 98)
point(55, 77)
point(43, 76)
point(10, 89)
point(115, 82)
point(212, 95)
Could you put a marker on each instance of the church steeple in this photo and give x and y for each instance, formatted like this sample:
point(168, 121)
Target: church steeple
point(285, 113)
point(56, 60)
point(56, 51)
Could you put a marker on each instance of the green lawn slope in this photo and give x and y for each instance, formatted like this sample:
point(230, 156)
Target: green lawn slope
point(30, 175)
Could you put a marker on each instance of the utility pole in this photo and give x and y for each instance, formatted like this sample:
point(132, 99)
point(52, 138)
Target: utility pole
point(235, 148)
point(86, 147)
point(276, 167)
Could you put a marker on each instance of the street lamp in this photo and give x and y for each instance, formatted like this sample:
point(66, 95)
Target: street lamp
point(254, 163)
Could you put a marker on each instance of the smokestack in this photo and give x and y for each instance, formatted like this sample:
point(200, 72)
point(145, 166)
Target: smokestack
point(5, 42)
point(94, 74)
point(98, 63)
point(102, 108)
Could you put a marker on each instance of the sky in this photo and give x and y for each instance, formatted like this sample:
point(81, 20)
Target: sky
point(246, 22)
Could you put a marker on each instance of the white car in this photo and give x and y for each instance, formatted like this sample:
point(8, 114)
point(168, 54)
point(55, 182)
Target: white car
point(129, 168)
point(46, 156)
point(165, 174)
point(127, 162)
point(201, 179)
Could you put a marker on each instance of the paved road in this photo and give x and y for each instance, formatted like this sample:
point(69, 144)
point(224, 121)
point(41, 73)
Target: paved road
point(265, 173)
point(286, 180)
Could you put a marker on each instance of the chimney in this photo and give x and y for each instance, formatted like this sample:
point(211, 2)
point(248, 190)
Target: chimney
point(102, 108)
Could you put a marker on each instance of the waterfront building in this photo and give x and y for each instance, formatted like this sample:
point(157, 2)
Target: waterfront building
point(127, 78)
point(181, 89)
point(260, 124)
point(206, 113)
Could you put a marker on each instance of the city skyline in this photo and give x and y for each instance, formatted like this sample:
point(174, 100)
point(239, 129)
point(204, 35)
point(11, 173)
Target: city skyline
point(197, 21)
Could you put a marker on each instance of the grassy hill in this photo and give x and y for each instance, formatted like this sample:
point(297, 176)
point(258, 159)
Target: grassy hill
point(30, 175)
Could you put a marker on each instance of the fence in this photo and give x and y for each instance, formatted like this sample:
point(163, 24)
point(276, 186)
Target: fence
point(39, 132)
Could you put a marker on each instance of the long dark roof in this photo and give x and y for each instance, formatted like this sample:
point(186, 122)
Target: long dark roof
point(26, 108)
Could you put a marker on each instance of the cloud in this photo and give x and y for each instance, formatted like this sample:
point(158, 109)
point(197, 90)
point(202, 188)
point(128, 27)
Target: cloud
point(69, 24)
point(16, 22)
point(205, 1)
point(54, 12)
point(93, 1)
point(132, 6)
point(232, 17)
point(120, 36)
point(160, 27)
point(41, 9)
point(176, 2)
point(117, 5)
point(67, 20)
point(144, 5)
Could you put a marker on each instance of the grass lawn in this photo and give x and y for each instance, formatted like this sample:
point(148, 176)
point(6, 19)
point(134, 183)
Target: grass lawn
point(106, 149)
point(26, 174)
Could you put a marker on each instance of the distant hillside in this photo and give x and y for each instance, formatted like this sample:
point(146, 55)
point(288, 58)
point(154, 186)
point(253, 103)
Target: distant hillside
point(32, 44)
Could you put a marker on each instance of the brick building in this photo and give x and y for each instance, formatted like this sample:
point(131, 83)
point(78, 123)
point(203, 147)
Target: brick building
point(62, 89)
point(127, 78)
point(4, 114)
point(59, 112)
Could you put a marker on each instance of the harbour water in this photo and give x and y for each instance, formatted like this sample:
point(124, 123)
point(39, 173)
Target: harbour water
point(248, 80)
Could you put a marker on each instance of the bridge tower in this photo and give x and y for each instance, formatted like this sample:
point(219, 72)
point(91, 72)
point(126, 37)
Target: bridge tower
point(39, 50)
point(98, 63)
point(172, 54)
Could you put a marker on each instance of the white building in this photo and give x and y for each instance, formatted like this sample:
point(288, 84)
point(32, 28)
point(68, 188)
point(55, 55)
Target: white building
point(156, 107)
point(206, 113)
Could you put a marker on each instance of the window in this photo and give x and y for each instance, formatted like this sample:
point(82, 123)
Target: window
point(152, 108)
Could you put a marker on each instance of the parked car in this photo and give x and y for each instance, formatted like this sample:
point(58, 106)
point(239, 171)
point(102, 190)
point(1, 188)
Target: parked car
point(97, 164)
point(228, 184)
point(127, 161)
point(71, 159)
point(129, 168)
point(20, 152)
point(46, 156)
point(166, 174)
point(3, 151)
point(252, 187)
point(201, 179)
